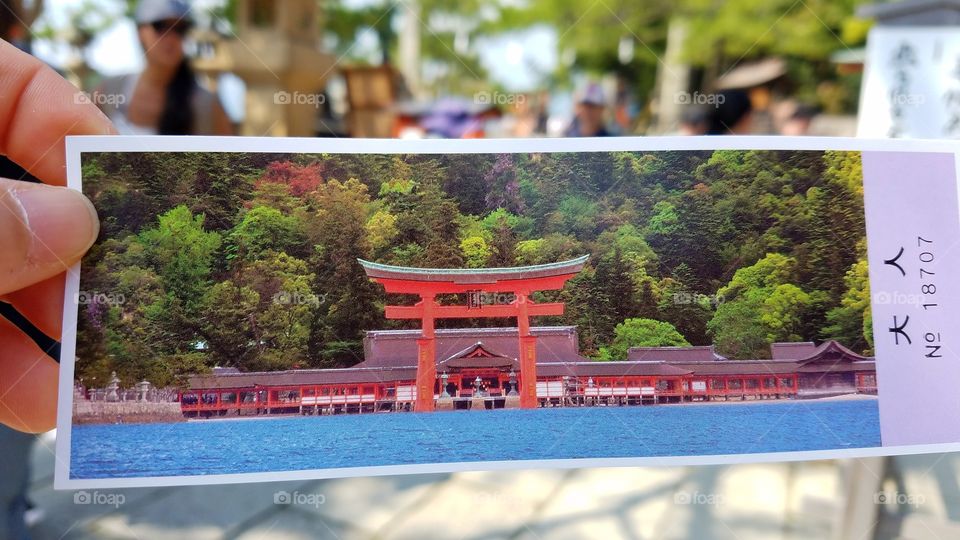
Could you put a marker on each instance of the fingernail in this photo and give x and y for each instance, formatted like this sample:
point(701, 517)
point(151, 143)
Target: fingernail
point(62, 222)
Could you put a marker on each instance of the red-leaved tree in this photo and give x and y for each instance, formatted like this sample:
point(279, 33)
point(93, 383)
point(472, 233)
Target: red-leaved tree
point(299, 179)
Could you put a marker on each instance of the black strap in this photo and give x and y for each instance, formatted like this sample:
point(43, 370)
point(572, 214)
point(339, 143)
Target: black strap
point(50, 346)
point(47, 344)
point(11, 170)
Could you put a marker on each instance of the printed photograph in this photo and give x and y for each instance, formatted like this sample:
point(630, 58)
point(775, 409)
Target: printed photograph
point(264, 312)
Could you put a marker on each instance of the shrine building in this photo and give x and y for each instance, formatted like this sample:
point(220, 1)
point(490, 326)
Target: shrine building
point(524, 366)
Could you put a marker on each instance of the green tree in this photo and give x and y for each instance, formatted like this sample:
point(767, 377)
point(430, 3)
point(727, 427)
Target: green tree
point(772, 270)
point(504, 245)
point(577, 216)
point(426, 218)
point(221, 185)
point(784, 311)
point(629, 240)
point(382, 230)
point(681, 306)
point(736, 328)
point(587, 307)
point(464, 181)
point(530, 251)
point(119, 336)
point(851, 322)
point(338, 231)
point(760, 306)
point(476, 252)
point(647, 302)
point(692, 232)
point(264, 230)
point(614, 284)
point(550, 248)
point(521, 226)
point(176, 369)
point(228, 324)
point(641, 332)
point(182, 254)
point(836, 224)
point(440, 221)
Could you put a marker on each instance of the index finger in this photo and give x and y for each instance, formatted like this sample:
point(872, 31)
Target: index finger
point(38, 108)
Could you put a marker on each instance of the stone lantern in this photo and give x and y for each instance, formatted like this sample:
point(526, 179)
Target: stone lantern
point(277, 53)
point(513, 384)
point(112, 387)
point(443, 385)
point(143, 389)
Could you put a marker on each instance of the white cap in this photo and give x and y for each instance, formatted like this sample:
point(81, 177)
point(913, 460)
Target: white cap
point(592, 94)
point(150, 11)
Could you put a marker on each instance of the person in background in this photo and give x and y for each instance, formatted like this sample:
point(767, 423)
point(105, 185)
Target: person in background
point(732, 114)
point(543, 116)
point(625, 110)
point(799, 120)
point(694, 120)
point(15, 22)
point(589, 115)
point(165, 98)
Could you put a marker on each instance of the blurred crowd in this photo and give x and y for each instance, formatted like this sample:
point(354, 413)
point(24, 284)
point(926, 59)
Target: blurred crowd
point(731, 112)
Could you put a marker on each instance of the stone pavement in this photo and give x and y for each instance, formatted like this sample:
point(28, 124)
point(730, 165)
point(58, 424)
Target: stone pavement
point(789, 501)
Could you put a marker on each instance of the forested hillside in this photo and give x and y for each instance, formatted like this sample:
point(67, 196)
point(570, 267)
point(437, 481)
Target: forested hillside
point(249, 260)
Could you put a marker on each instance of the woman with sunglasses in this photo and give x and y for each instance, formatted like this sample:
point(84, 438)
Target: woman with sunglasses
point(165, 98)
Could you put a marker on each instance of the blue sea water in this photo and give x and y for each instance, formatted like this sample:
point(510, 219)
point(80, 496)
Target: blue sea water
point(301, 443)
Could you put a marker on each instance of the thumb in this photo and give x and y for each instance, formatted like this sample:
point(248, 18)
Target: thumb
point(44, 230)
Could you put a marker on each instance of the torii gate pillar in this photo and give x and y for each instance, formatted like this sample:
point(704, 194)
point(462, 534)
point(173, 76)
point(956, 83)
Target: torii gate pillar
point(426, 356)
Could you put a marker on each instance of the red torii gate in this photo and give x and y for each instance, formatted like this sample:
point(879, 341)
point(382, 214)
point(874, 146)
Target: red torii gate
point(521, 281)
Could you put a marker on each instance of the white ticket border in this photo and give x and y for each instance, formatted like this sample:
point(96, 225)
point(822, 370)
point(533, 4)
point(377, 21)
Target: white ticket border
point(76, 145)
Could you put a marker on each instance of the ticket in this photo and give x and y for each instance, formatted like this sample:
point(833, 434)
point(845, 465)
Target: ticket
point(274, 309)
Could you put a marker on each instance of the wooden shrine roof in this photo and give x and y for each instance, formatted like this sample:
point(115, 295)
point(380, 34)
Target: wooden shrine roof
point(472, 275)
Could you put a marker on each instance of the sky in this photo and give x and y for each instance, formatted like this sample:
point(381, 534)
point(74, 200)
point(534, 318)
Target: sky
point(513, 60)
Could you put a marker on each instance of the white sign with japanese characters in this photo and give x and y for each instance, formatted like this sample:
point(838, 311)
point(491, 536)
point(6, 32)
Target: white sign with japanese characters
point(911, 84)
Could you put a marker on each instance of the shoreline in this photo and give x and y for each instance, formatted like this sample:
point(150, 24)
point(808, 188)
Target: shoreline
point(811, 399)
point(125, 412)
point(167, 419)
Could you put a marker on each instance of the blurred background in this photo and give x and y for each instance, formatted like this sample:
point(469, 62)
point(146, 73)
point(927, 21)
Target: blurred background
point(504, 68)
point(507, 68)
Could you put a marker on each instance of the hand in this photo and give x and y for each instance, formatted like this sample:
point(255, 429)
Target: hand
point(44, 230)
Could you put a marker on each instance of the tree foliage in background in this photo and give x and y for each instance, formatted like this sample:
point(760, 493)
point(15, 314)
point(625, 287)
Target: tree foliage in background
point(809, 30)
point(641, 333)
point(599, 38)
point(258, 269)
